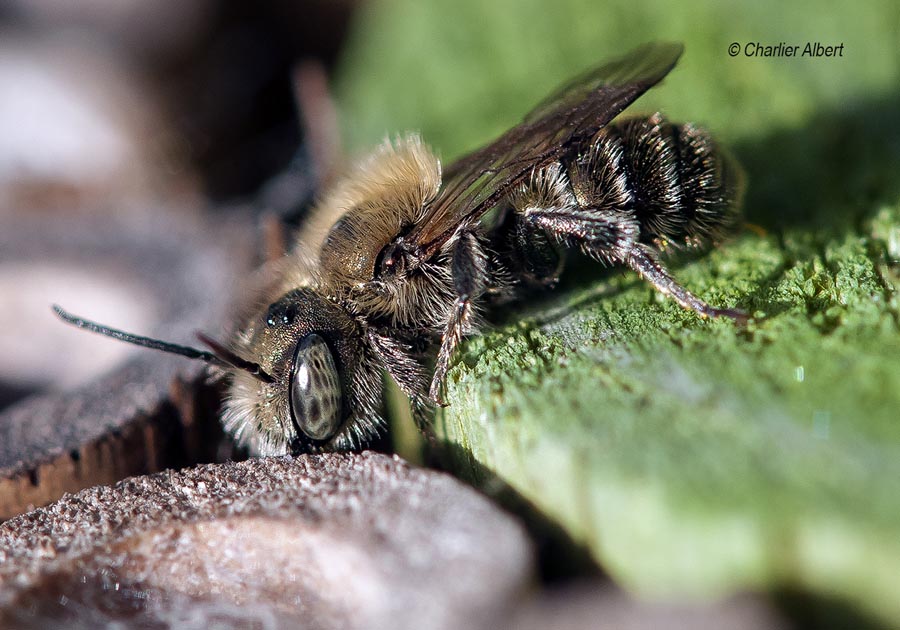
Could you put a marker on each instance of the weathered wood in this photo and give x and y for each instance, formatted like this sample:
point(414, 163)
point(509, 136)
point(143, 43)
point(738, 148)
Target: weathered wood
point(153, 411)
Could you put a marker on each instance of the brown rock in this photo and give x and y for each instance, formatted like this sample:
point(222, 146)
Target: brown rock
point(327, 541)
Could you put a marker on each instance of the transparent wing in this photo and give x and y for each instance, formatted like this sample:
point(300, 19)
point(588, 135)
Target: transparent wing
point(478, 181)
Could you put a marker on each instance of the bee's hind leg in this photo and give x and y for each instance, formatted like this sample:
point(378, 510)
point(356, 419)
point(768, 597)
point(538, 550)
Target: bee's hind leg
point(643, 260)
point(610, 236)
point(469, 280)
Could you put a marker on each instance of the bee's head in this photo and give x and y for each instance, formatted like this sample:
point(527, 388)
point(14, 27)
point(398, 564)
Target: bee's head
point(300, 378)
point(315, 353)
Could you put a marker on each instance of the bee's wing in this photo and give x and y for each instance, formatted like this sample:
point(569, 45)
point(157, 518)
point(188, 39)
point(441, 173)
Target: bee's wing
point(478, 181)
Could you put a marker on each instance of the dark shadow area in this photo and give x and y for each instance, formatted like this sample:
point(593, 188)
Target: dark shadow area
point(829, 175)
point(560, 557)
point(806, 610)
point(233, 91)
point(14, 392)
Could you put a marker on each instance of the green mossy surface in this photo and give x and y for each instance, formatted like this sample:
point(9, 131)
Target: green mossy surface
point(692, 458)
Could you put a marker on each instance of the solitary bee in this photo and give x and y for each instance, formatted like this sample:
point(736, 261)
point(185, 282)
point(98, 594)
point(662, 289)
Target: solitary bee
point(398, 257)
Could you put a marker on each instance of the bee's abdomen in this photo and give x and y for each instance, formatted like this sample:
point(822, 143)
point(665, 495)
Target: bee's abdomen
point(670, 179)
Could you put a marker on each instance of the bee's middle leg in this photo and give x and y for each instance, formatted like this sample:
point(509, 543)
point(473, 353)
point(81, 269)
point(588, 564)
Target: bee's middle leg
point(526, 254)
point(469, 267)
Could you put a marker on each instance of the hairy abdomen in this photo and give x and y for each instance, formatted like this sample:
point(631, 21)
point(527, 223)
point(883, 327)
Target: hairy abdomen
point(671, 180)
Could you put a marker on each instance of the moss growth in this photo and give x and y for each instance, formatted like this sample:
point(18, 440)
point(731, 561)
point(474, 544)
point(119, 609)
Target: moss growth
point(691, 457)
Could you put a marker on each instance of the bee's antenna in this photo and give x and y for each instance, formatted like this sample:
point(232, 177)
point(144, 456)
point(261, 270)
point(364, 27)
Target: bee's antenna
point(220, 356)
point(224, 354)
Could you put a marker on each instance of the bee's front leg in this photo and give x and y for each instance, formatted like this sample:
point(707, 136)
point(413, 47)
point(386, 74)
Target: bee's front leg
point(469, 267)
point(397, 359)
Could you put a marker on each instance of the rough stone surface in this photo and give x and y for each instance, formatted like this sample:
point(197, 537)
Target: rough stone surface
point(329, 541)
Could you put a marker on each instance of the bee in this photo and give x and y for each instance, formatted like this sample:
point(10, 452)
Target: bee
point(395, 262)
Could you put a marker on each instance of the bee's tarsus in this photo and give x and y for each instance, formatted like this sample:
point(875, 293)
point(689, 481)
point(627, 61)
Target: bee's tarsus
point(642, 260)
point(739, 317)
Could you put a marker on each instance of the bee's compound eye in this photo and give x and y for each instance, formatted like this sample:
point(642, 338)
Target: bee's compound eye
point(315, 389)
